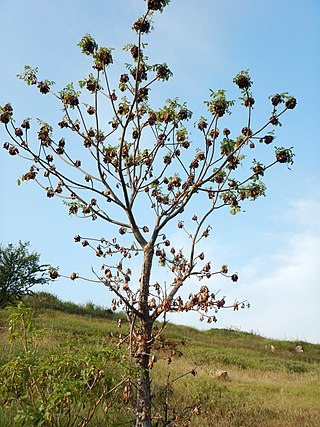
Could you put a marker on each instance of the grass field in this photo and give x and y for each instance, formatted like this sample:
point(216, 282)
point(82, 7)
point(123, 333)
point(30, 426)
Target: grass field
point(279, 388)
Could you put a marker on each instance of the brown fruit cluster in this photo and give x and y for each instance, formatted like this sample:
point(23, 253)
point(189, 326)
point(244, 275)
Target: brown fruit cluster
point(70, 99)
point(142, 25)
point(291, 103)
point(88, 45)
point(246, 131)
point(220, 106)
point(61, 144)
point(274, 120)
point(13, 151)
point(134, 52)
point(258, 169)
point(163, 72)
point(63, 124)
point(44, 135)
point(249, 101)
point(282, 156)
point(25, 124)
point(53, 274)
point(142, 94)
point(267, 139)
point(155, 4)
point(6, 114)
point(91, 110)
point(43, 87)
point(92, 85)
point(31, 174)
point(124, 78)
point(202, 125)
point(73, 210)
point(104, 56)
point(183, 114)
point(50, 193)
point(276, 100)
point(234, 277)
point(243, 81)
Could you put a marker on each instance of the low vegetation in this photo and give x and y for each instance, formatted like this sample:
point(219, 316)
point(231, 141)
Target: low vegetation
point(63, 367)
point(44, 300)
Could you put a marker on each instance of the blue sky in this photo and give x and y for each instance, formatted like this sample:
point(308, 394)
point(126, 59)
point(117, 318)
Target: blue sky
point(275, 244)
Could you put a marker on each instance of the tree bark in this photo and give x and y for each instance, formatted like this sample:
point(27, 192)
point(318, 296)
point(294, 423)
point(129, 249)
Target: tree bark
point(143, 415)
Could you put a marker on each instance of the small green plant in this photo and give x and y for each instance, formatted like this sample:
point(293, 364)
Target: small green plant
point(21, 326)
point(172, 409)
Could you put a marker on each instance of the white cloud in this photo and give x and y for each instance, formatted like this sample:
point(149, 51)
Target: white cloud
point(282, 286)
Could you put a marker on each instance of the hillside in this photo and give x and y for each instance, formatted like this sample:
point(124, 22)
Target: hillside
point(263, 383)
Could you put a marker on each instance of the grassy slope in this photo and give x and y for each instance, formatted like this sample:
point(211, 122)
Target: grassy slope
point(280, 388)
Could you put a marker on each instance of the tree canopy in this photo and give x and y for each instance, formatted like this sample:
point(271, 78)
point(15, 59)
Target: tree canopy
point(20, 271)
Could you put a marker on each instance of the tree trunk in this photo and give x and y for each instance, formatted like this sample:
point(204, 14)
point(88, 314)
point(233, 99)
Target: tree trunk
point(143, 415)
point(143, 418)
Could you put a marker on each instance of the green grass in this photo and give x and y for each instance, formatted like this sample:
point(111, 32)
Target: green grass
point(276, 389)
point(45, 300)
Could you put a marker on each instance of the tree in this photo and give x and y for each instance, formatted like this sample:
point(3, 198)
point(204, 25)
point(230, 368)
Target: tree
point(19, 272)
point(145, 158)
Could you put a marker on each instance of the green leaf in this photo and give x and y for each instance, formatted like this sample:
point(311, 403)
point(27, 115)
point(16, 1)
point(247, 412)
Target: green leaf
point(235, 210)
